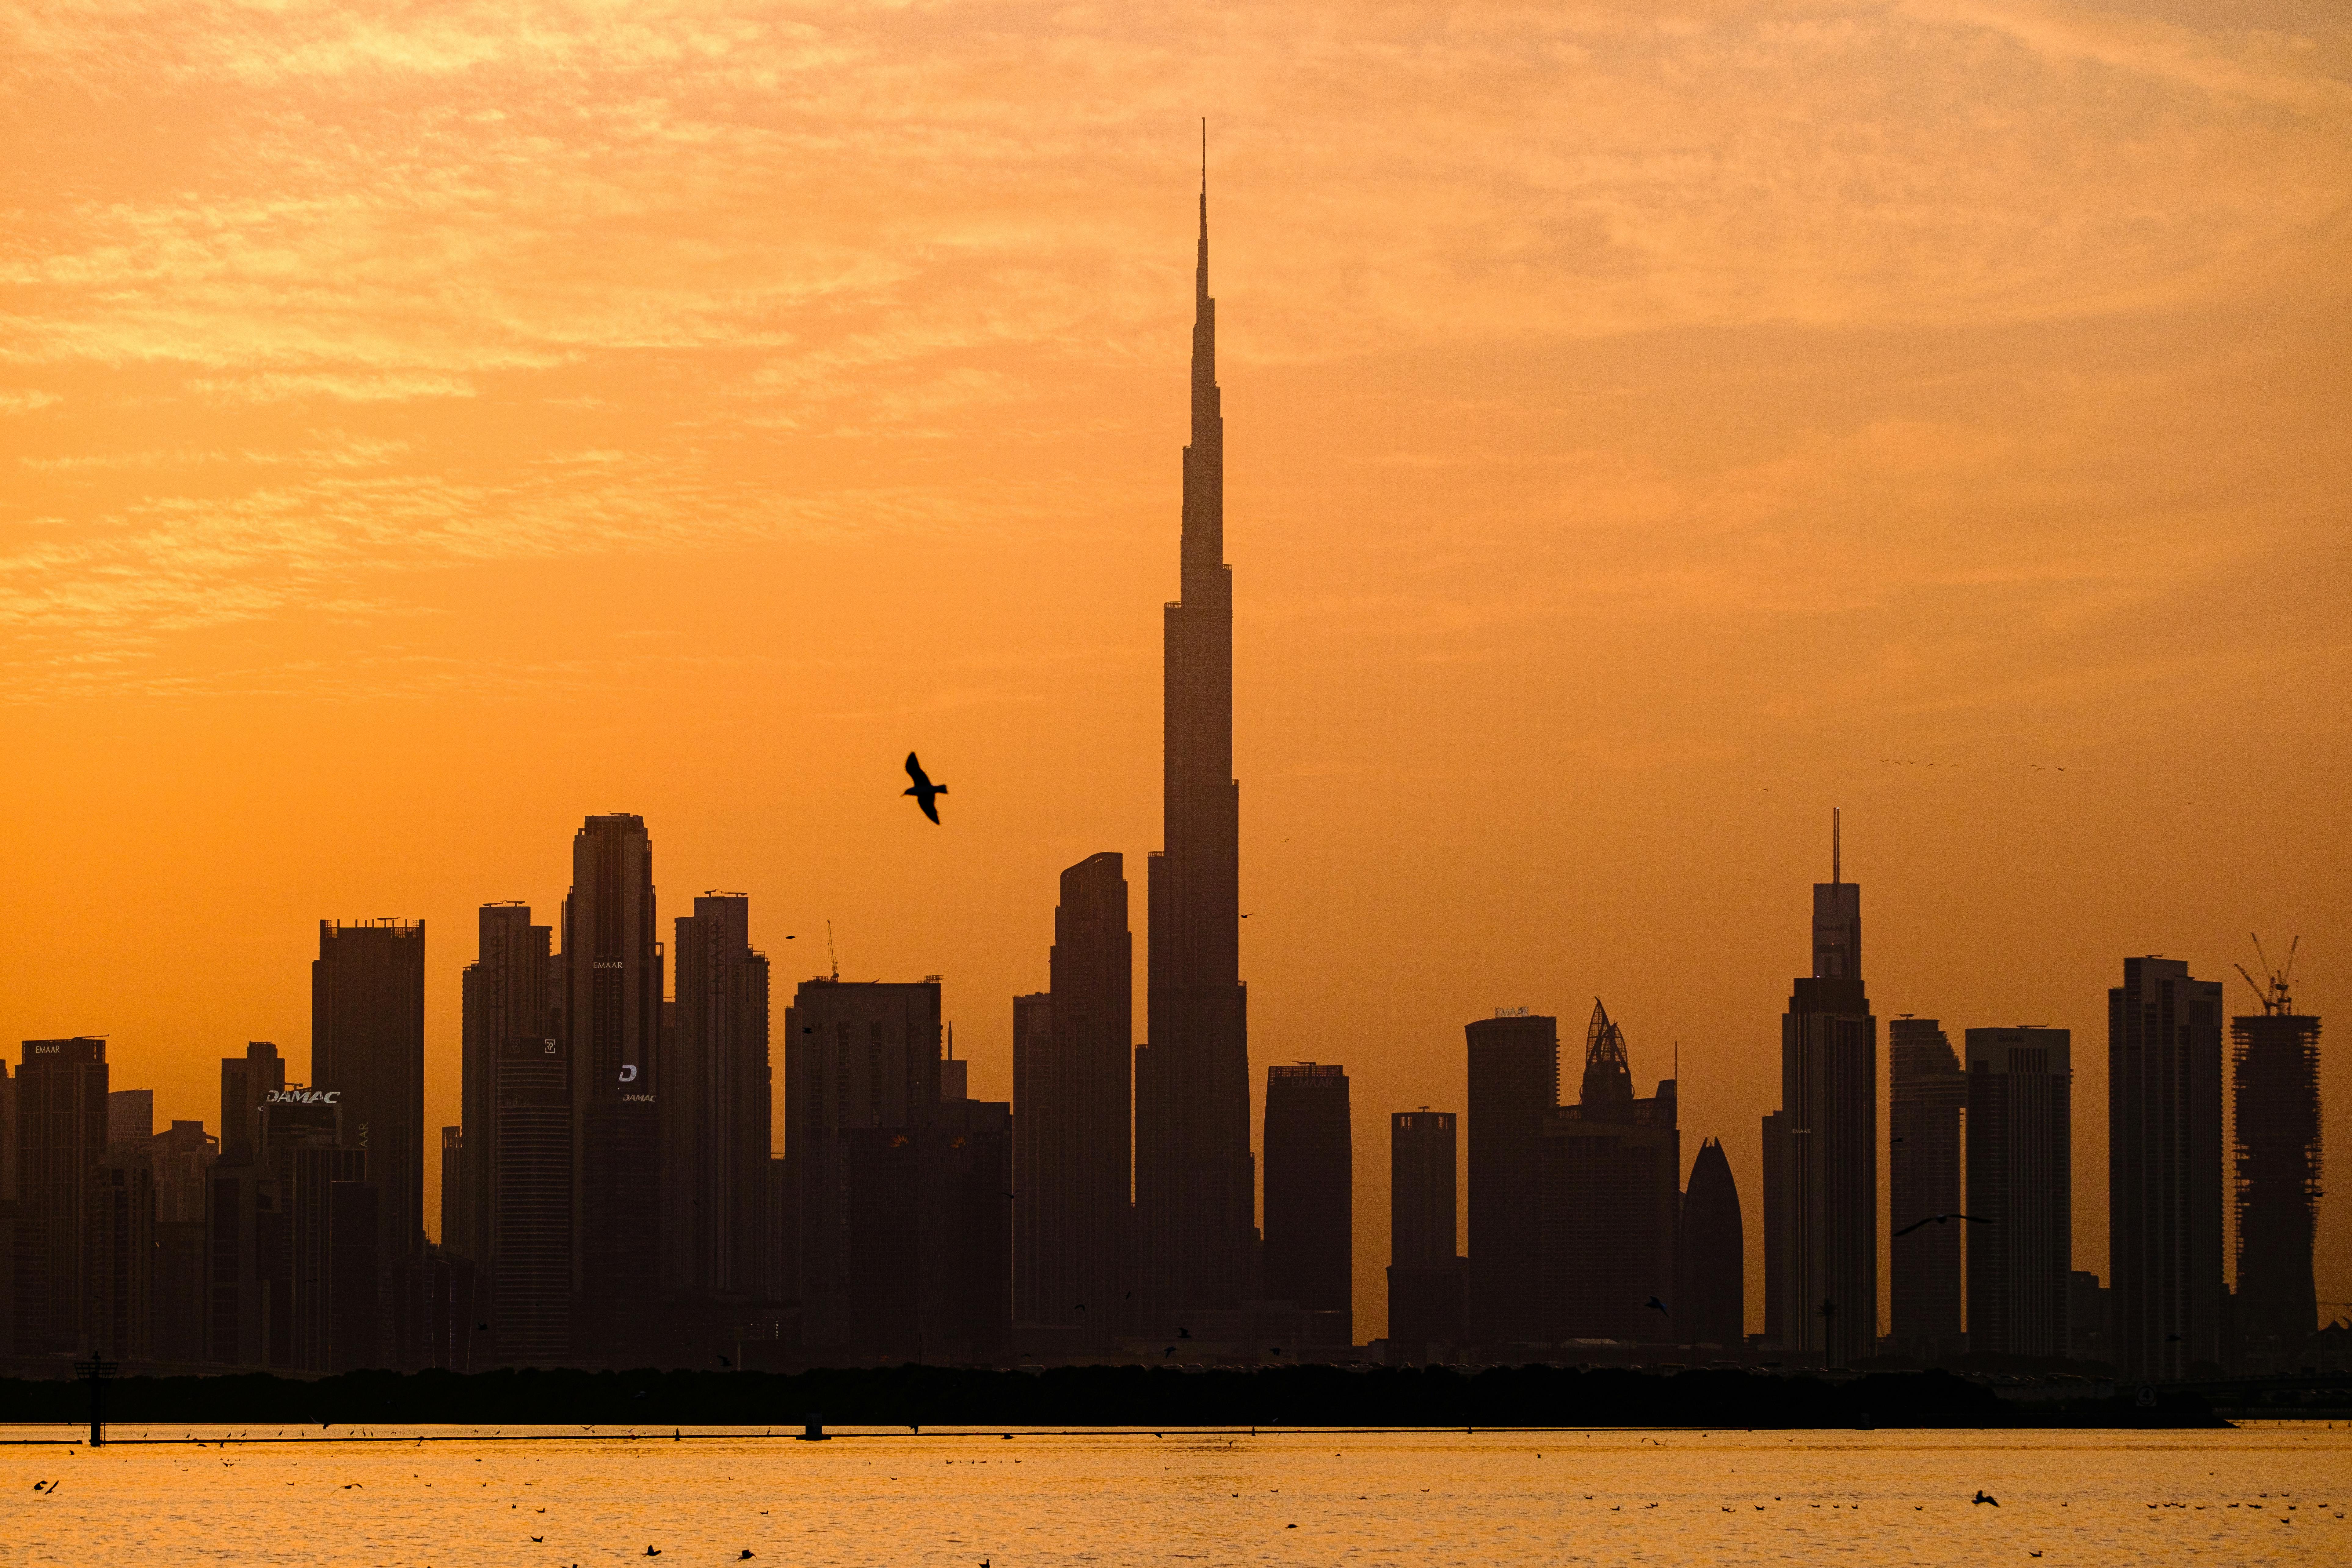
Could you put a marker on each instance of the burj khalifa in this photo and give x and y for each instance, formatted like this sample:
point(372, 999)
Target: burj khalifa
point(1194, 1178)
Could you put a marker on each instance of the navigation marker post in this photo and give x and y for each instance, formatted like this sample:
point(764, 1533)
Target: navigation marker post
point(96, 1371)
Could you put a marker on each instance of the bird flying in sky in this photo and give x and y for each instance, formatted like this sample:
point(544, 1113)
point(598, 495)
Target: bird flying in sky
point(925, 792)
point(1940, 1219)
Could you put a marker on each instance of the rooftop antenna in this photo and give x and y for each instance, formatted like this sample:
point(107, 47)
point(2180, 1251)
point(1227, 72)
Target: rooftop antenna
point(831, 957)
point(1835, 835)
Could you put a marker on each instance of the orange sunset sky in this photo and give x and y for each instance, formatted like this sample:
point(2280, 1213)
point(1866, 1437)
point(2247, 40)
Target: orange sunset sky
point(422, 426)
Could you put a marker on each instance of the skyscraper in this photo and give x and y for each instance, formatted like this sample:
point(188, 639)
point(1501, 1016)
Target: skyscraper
point(181, 1158)
point(120, 1254)
point(1424, 1274)
point(1194, 1179)
point(1776, 1226)
point(180, 1155)
point(130, 1116)
point(1514, 1085)
point(530, 1240)
point(1070, 1088)
point(177, 1317)
point(715, 1104)
point(7, 1138)
point(612, 1024)
point(2275, 1077)
point(856, 1057)
point(2021, 1179)
point(2164, 1170)
point(1421, 1188)
point(1309, 1203)
point(453, 1190)
point(1711, 1282)
point(367, 1044)
point(323, 1254)
point(1611, 1169)
point(61, 1138)
point(1041, 1287)
point(1827, 1193)
point(505, 996)
point(239, 1248)
point(1925, 1092)
point(245, 1083)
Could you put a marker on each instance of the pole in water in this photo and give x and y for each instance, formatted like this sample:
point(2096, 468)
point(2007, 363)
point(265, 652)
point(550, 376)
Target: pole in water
point(96, 1371)
point(813, 1433)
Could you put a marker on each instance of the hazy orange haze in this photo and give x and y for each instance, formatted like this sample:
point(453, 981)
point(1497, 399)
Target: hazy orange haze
point(422, 425)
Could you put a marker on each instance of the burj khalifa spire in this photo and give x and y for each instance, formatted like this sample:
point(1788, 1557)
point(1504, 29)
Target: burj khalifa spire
point(1194, 1180)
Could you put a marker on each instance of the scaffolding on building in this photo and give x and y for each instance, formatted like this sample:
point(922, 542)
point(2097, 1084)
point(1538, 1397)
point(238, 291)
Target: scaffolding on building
point(2275, 1163)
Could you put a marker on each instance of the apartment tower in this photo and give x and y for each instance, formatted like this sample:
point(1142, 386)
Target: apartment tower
point(1425, 1275)
point(611, 988)
point(2021, 1182)
point(715, 1105)
point(1310, 1203)
point(367, 1045)
point(60, 1138)
point(506, 994)
point(1071, 1065)
point(1924, 1090)
point(2164, 1170)
point(1513, 1086)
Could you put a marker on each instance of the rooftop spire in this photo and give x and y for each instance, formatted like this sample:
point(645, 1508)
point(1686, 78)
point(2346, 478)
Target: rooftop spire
point(1834, 815)
point(1608, 1075)
point(1201, 274)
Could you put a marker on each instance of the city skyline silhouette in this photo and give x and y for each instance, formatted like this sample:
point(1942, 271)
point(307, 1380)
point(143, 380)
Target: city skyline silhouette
point(1554, 650)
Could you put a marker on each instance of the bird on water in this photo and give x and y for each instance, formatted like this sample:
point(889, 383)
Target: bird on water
point(925, 792)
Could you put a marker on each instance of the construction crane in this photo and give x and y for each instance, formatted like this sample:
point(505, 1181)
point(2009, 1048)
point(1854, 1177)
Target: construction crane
point(2272, 989)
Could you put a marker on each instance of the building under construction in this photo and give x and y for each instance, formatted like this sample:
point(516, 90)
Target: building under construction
point(2274, 1171)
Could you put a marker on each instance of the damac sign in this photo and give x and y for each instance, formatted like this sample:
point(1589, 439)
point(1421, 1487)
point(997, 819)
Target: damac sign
point(305, 1096)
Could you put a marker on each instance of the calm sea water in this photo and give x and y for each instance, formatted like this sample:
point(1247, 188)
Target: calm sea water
point(2258, 1494)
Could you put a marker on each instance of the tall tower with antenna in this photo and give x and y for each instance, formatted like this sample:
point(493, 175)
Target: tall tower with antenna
point(1822, 1206)
point(1194, 1179)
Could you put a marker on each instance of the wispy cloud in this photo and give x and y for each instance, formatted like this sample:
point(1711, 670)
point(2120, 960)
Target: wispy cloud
point(570, 279)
